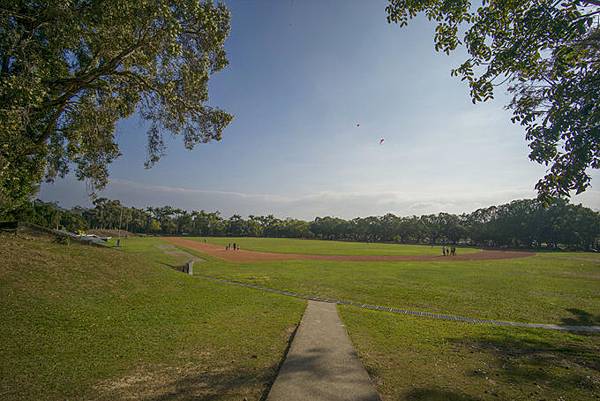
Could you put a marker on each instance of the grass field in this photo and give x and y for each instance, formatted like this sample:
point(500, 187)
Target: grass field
point(546, 288)
point(427, 360)
point(430, 360)
point(316, 247)
point(80, 322)
point(87, 323)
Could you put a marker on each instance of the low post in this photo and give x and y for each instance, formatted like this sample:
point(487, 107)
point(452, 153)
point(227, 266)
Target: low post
point(189, 267)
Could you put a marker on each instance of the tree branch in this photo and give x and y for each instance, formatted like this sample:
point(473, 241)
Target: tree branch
point(51, 124)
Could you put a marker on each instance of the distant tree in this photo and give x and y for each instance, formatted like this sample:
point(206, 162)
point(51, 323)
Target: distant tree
point(202, 223)
point(210, 223)
point(271, 226)
point(585, 226)
point(525, 223)
point(452, 228)
point(432, 227)
point(153, 226)
point(549, 54)
point(293, 228)
point(137, 220)
point(413, 229)
point(479, 227)
point(388, 227)
point(236, 226)
point(328, 227)
point(254, 227)
point(108, 213)
point(73, 222)
point(183, 220)
point(69, 70)
point(166, 218)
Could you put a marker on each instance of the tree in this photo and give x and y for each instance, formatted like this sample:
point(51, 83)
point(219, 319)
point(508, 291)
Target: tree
point(253, 227)
point(153, 226)
point(70, 70)
point(549, 54)
point(236, 226)
point(183, 221)
point(520, 223)
point(73, 222)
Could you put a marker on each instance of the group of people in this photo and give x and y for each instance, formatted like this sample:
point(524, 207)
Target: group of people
point(235, 247)
point(449, 251)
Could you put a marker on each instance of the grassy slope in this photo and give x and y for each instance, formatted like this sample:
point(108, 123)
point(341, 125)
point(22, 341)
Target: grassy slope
point(546, 288)
point(316, 247)
point(422, 359)
point(81, 322)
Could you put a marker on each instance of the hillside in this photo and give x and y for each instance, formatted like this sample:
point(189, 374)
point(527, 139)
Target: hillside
point(81, 322)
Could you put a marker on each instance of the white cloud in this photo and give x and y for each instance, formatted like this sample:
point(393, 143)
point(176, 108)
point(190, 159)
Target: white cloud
point(307, 206)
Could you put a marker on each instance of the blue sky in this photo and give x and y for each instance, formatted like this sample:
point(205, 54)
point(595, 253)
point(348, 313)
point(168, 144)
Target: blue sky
point(302, 75)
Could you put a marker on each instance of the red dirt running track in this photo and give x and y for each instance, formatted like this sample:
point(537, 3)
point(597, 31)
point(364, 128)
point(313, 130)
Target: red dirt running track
point(255, 256)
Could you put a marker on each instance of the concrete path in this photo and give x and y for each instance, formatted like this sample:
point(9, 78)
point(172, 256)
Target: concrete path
point(321, 364)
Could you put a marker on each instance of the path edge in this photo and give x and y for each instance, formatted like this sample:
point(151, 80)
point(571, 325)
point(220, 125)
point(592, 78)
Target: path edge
point(269, 385)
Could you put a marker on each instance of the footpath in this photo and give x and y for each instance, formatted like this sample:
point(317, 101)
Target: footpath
point(321, 364)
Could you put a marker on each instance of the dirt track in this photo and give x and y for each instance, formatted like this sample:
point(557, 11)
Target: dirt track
point(255, 256)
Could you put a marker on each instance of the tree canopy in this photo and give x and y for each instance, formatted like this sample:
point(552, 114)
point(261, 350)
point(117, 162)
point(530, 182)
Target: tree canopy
point(548, 53)
point(522, 223)
point(69, 70)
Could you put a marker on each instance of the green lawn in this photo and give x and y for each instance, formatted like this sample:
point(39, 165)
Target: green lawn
point(80, 322)
point(317, 247)
point(547, 288)
point(430, 360)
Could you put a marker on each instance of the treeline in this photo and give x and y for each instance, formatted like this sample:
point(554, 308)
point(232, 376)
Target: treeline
point(519, 224)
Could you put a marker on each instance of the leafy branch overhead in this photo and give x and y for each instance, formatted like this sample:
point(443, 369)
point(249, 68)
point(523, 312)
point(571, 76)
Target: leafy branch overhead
point(70, 70)
point(548, 54)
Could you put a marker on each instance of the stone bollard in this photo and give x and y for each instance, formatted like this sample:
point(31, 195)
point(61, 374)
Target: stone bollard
point(189, 267)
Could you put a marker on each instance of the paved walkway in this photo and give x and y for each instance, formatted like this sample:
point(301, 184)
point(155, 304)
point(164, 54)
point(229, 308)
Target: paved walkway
point(321, 364)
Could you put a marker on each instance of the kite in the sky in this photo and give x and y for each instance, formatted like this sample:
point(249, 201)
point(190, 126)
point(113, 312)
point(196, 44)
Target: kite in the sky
point(358, 125)
point(381, 141)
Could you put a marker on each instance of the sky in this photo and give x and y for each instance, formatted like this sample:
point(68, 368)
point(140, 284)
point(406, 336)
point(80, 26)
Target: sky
point(302, 75)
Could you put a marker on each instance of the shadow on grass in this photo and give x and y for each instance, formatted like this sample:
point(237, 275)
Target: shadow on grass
point(243, 384)
point(212, 385)
point(558, 367)
point(580, 318)
point(433, 394)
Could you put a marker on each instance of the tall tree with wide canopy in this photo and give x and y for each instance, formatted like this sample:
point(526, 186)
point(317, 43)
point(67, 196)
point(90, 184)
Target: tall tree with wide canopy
point(69, 70)
point(548, 52)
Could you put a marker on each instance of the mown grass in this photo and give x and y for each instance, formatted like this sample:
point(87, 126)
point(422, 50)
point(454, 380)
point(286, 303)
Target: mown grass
point(430, 360)
point(317, 247)
point(546, 288)
point(80, 322)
